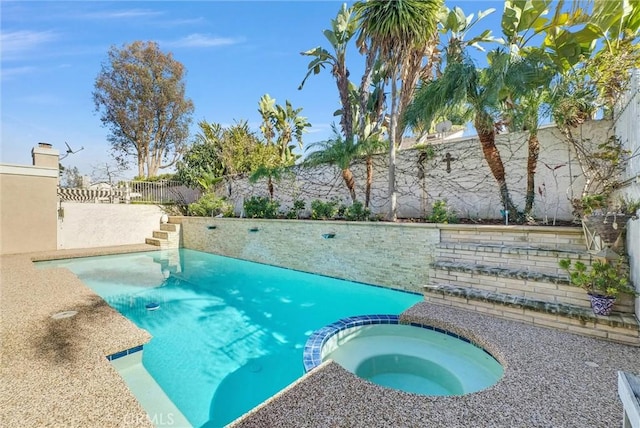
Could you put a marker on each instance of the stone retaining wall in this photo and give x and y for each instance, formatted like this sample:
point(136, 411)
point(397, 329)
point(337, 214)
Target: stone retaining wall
point(395, 255)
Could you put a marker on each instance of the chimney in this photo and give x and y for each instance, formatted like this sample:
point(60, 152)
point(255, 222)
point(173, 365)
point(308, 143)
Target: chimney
point(45, 156)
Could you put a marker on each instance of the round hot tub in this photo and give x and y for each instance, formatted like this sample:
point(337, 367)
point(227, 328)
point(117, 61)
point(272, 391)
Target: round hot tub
point(414, 358)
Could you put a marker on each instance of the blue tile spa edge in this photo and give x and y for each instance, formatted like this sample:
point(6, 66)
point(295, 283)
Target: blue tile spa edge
point(124, 353)
point(312, 356)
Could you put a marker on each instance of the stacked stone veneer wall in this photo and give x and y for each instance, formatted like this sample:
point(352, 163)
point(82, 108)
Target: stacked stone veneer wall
point(395, 255)
point(523, 262)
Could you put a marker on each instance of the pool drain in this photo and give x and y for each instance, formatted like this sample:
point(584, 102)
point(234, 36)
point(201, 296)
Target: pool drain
point(153, 306)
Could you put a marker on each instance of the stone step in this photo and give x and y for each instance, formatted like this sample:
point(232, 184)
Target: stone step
point(617, 327)
point(155, 241)
point(169, 227)
point(161, 234)
point(501, 271)
point(554, 288)
point(566, 238)
point(539, 259)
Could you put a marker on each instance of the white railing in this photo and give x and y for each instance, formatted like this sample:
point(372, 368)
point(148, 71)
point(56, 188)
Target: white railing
point(160, 192)
point(148, 192)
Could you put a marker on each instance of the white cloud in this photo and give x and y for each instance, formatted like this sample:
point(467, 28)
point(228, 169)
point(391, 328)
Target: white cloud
point(8, 73)
point(122, 14)
point(202, 41)
point(15, 42)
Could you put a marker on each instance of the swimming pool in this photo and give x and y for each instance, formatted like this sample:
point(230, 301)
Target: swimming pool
point(228, 333)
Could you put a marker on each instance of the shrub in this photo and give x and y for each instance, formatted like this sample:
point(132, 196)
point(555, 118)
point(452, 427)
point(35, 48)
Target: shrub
point(210, 205)
point(604, 278)
point(321, 210)
point(261, 207)
point(357, 212)
point(294, 211)
point(441, 213)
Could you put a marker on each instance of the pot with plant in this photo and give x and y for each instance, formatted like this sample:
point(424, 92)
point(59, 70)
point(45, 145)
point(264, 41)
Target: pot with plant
point(604, 281)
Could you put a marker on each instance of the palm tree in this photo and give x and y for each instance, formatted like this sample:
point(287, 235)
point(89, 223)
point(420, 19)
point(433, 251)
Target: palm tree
point(526, 91)
point(343, 28)
point(463, 85)
point(337, 151)
point(533, 69)
point(402, 33)
point(280, 126)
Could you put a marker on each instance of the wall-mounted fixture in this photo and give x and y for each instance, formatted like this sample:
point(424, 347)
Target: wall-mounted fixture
point(329, 235)
point(212, 227)
point(253, 229)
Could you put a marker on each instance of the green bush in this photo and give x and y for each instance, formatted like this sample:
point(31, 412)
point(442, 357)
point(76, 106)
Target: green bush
point(294, 211)
point(209, 205)
point(441, 213)
point(261, 207)
point(321, 210)
point(357, 212)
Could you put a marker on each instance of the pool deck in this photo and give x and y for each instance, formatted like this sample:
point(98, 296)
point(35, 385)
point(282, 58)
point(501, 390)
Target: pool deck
point(54, 372)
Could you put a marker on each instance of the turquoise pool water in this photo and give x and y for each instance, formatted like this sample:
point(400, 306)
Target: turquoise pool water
point(228, 334)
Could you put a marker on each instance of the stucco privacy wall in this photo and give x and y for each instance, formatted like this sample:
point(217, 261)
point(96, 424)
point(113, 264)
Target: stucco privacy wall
point(28, 203)
point(626, 123)
point(464, 181)
point(396, 255)
point(99, 225)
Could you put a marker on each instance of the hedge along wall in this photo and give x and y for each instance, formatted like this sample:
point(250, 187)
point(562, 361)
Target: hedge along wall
point(395, 255)
point(464, 181)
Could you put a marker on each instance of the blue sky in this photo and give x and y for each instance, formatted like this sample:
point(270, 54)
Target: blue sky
point(234, 52)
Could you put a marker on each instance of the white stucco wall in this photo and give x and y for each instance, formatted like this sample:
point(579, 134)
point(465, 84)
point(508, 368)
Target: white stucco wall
point(99, 225)
point(465, 183)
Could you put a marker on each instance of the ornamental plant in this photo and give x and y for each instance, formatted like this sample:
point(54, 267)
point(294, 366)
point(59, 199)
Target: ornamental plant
point(604, 278)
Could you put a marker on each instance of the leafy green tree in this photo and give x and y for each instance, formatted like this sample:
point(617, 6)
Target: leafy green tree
point(218, 152)
point(280, 126)
point(140, 94)
point(268, 165)
point(401, 34)
point(616, 24)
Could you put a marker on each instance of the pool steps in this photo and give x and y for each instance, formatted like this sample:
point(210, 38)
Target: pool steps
point(161, 411)
point(167, 237)
point(499, 274)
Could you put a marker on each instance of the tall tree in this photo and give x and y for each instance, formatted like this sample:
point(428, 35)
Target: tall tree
point(477, 90)
point(343, 28)
point(218, 152)
point(140, 94)
point(340, 152)
point(617, 25)
point(401, 33)
point(361, 113)
point(281, 125)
